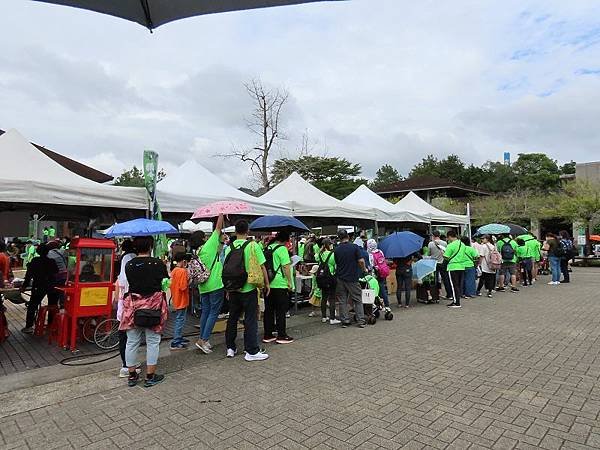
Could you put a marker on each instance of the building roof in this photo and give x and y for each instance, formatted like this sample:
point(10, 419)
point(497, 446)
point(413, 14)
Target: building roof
point(428, 183)
point(72, 165)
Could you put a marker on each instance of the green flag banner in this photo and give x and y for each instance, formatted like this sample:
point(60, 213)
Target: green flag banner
point(150, 181)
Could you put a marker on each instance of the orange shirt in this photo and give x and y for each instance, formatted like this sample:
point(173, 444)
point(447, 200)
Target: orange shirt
point(180, 293)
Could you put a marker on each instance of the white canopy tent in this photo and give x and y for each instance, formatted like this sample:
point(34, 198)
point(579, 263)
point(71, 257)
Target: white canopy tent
point(415, 204)
point(29, 176)
point(367, 198)
point(305, 200)
point(202, 187)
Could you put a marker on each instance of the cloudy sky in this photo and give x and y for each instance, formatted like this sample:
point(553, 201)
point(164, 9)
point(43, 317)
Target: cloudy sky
point(376, 81)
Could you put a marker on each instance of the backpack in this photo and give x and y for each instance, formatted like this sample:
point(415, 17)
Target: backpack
point(235, 274)
point(380, 265)
point(269, 264)
point(198, 273)
point(325, 279)
point(507, 252)
point(309, 252)
point(569, 249)
point(495, 259)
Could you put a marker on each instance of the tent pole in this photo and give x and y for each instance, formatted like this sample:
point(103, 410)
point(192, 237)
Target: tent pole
point(376, 230)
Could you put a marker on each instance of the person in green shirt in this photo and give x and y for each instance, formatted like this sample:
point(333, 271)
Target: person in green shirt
point(51, 232)
point(470, 283)
point(534, 247)
point(509, 265)
point(278, 300)
point(211, 291)
point(246, 299)
point(301, 247)
point(328, 295)
point(45, 234)
point(524, 256)
point(457, 258)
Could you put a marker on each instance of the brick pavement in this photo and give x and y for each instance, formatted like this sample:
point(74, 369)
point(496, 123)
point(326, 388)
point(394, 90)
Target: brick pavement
point(519, 371)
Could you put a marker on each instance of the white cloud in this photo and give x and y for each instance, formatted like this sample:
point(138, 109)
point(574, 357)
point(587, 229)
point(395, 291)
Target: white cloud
point(378, 81)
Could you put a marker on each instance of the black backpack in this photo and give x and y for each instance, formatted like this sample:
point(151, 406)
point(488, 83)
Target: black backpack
point(269, 265)
point(325, 279)
point(235, 274)
point(507, 252)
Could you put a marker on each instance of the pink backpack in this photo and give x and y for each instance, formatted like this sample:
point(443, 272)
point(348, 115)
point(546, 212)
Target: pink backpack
point(495, 258)
point(380, 265)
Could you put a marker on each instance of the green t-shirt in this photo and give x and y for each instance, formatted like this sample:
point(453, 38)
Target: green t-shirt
point(473, 255)
point(260, 256)
point(209, 255)
point(51, 232)
point(536, 249)
point(456, 253)
point(512, 243)
point(301, 250)
point(281, 258)
point(322, 256)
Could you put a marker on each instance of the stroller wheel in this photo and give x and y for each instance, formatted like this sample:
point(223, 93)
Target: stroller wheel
point(389, 315)
point(376, 314)
point(371, 320)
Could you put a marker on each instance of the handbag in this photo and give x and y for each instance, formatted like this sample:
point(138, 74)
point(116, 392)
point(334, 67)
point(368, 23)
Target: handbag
point(146, 318)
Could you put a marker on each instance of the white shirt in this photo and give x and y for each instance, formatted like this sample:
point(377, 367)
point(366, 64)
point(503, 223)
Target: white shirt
point(484, 251)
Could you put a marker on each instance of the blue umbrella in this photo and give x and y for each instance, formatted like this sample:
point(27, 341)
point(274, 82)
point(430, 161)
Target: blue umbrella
point(140, 227)
point(424, 267)
point(493, 228)
point(274, 223)
point(401, 244)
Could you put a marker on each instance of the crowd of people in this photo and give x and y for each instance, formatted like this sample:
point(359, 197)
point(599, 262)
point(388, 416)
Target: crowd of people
point(233, 272)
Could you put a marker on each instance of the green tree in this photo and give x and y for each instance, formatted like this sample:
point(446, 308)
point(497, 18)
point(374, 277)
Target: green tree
point(334, 175)
point(385, 176)
point(449, 205)
point(536, 171)
point(568, 168)
point(134, 177)
point(498, 177)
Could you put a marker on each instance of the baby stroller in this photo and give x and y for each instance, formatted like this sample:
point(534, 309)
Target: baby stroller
point(372, 303)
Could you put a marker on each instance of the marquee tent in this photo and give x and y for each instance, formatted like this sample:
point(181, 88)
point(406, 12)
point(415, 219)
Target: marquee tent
point(366, 197)
point(30, 177)
point(415, 204)
point(305, 200)
point(192, 185)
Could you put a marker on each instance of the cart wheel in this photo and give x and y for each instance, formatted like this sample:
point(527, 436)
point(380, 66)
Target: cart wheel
point(88, 328)
point(371, 320)
point(389, 315)
point(106, 334)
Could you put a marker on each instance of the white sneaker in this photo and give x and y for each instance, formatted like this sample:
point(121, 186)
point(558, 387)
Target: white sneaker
point(231, 353)
point(551, 283)
point(124, 372)
point(454, 306)
point(288, 315)
point(260, 356)
point(334, 322)
point(202, 346)
point(312, 314)
point(209, 345)
point(324, 320)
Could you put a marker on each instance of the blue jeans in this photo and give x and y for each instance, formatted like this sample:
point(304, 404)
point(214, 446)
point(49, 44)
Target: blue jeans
point(469, 286)
point(178, 328)
point(211, 307)
point(134, 339)
point(383, 293)
point(555, 267)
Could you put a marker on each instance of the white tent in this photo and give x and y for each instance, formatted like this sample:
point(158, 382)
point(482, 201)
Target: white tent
point(367, 198)
point(305, 200)
point(192, 185)
point(29, 176)
point(415, 204)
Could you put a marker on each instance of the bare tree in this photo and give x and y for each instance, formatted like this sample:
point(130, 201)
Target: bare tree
point(264, 122)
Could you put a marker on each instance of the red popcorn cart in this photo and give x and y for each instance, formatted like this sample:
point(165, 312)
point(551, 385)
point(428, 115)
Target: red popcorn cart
point(88, 295)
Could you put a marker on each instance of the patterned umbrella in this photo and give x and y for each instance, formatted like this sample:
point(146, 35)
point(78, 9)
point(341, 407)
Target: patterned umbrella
point(493, 228)
point(216, 208)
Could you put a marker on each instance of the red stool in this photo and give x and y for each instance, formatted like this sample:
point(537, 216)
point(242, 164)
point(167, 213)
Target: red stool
point(40, 321)
point(57, 329)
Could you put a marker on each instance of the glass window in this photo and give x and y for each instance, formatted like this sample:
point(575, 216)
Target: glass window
point(95, 265)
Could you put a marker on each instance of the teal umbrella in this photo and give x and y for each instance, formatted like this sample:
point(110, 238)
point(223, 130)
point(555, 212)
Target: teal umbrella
point(493, 228)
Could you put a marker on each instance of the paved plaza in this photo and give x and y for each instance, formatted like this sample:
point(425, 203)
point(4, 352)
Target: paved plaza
point(519, 371)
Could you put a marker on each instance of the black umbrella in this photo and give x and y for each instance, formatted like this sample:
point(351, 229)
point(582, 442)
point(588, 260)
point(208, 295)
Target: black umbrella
point(516, 230)
point(154, 13)
point(277, 223)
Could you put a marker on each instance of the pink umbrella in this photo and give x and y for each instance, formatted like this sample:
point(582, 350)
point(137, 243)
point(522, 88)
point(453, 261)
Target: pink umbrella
point(216, 208)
